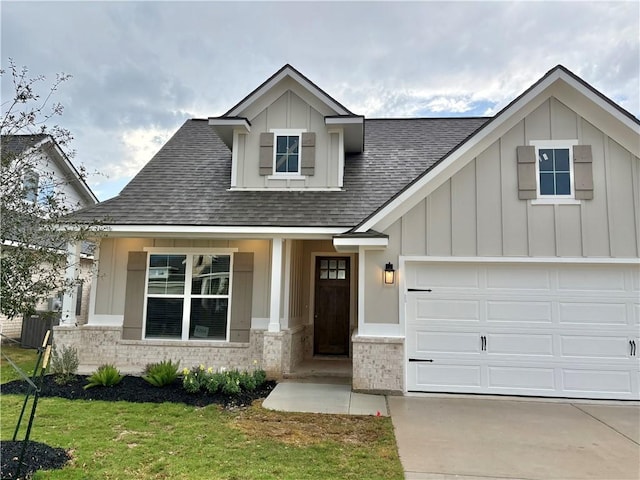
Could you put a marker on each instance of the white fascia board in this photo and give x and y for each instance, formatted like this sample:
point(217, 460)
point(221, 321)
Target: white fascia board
point(361, 242)
point(573, 260)
point(233, 122)
point(288, 72)
point(350, 120)
point(208, 231)
point(493, 125)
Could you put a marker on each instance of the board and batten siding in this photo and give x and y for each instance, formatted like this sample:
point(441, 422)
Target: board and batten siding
point(288, 111)
point(477, 211)
point(111, 285)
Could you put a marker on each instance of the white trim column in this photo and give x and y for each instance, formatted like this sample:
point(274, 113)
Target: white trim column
point(276, 285)
point(361, 288)
point(71, 276)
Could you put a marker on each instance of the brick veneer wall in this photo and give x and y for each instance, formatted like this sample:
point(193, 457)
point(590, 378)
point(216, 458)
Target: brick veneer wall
point(97, 345)
point(378, 364)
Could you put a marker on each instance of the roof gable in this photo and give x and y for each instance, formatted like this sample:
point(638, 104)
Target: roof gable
point(560, 83)
point(287, 72)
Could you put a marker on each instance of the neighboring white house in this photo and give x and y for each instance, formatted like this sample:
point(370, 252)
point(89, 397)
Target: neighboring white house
point(474, 255)
point(52, 170)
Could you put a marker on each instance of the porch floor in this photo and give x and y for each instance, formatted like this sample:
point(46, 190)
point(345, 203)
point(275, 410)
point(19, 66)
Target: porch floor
point(327, 370)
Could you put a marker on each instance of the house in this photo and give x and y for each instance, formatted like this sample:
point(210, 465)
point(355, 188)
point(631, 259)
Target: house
point(472, 255)
point(49, 171)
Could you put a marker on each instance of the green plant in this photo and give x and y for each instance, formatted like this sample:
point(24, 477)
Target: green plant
point(162, 373)
point(64, 364)
point(260, 376)
point(196, 379)
point(247, 382)
point(106, 376)
point(231, 384)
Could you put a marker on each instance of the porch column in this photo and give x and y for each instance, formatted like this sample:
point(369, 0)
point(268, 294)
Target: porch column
point(71, 277)
point(276, 284)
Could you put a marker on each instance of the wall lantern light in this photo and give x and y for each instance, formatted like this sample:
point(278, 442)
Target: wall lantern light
point(389, 274)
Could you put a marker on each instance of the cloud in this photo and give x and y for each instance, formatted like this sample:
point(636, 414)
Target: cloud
point(141, 68)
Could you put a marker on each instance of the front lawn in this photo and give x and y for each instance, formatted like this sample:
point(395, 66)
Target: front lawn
point(124, 440)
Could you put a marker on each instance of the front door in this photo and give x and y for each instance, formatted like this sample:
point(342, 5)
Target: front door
point(331, 316)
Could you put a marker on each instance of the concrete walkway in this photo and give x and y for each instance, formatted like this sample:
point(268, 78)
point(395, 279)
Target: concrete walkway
point(324, 398)
point(462, 438)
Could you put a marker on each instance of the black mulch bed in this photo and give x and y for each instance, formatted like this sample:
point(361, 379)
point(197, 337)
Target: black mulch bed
point(131, 389)
point(136, 389)
point(38, 456)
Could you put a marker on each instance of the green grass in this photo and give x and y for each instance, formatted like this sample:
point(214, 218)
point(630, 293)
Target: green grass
point(121, 440)
point(25, 358)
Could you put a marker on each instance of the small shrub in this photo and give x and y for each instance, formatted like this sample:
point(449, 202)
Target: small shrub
point(105, 376)
point(260, 377)
point(64, 364)
point(214, 382)
point(231, 384)
point(247, 382)
point(162, 373)
point(196, 379)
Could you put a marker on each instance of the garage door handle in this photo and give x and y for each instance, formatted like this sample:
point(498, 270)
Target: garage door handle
point(632, 347)
point(420, 360)
point(418, 289)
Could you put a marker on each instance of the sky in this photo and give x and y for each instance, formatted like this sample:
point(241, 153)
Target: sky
point(140, 69)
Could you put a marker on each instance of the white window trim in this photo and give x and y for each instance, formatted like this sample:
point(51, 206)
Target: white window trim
point(186, 295)
point(289, 132)
point(555, 199)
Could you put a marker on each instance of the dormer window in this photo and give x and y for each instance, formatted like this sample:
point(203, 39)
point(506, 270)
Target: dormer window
point(287, 154)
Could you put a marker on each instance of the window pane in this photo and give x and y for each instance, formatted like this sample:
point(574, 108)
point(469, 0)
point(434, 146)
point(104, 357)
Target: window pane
point(281, 144)
point(562, 159)
point(563, 184)
point(208, 318)
point(332, 275)
point(281, 163)
point(210, 275)
point(293, 164)
point(324, 263)
point(293, 144)
point(342, 275)
point(342, 264)
point(545, 157)
point(546, 184)
point(164, 318)
point(166, 274)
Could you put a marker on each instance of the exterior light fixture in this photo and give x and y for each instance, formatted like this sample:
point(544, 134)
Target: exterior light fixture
point(389, 274)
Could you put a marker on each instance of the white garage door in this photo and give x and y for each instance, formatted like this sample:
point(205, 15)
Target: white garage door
point(543, 329)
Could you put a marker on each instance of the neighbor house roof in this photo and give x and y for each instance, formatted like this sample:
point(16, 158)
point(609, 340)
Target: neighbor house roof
point(187, 181)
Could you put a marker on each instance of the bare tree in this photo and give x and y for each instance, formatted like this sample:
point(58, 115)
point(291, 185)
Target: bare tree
point(34, 204)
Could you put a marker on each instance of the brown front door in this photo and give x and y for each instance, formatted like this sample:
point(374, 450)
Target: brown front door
point(331, 316)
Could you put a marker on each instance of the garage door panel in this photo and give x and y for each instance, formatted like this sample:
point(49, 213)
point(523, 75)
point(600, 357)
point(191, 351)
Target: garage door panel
point(520, 344)
point(447, 309)
point(594, 346)
point(590, 279)
point(522, 311)
point(584, 381)
point(450, 276)
point(592, 313)
point(437, 377)
point(521, 378)
point(459, 343)
point(504, 278)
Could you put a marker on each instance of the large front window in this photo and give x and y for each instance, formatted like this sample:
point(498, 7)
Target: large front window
point(188, 296)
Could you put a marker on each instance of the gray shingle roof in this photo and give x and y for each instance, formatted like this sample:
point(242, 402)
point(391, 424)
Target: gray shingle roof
point(187, 181)
point(16, 144)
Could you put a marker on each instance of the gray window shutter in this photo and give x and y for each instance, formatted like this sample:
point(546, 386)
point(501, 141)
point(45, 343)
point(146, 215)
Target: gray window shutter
point(583, 172)
point(134, 296)
point(241, 292)
point(266, 153)
point(308, 165)
point(527, 182)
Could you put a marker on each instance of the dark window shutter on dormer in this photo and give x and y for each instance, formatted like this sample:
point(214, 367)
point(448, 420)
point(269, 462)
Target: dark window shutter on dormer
point(583, 172)
point(527, 183)
point(308, 164)
point(266, 153)
point(134, 296)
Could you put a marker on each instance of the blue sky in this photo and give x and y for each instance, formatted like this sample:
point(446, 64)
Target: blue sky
point(140, 69)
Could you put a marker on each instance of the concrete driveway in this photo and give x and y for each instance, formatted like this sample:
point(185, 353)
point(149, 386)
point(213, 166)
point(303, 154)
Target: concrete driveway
point(480, 438)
